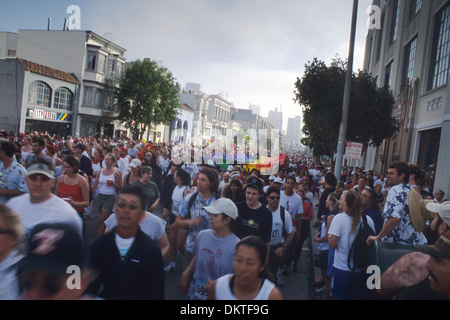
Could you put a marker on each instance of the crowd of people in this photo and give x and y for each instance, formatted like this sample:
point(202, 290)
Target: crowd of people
point(240, 234)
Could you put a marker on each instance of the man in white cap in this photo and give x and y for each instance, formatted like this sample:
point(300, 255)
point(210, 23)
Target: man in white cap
point(214, 250)
point(40, 205)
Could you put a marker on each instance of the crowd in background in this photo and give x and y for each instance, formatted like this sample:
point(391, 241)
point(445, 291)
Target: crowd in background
point(217, 217)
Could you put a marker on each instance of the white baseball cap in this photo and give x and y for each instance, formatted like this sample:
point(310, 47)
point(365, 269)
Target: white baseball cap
point(223, 205)
point(278, 180)
point(443, 209)
point(135, 163)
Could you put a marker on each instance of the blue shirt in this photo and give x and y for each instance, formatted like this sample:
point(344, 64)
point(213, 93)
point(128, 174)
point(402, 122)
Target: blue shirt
point(12, 178)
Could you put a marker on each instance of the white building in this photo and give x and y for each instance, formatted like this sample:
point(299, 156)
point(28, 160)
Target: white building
point(199, 101)
point(294, 132)
point(181, 128)
point(8, 44)
point(35, 97)
point(276, 118)
point(97, 63)
point(409, 53)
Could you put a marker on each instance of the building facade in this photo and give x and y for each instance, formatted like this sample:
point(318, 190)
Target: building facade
point(96, 61)
point(36, 97)
point(408, 51)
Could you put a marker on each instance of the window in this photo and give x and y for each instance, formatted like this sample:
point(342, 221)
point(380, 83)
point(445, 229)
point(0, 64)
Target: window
point(98, 98)
point(93, 97)
point(101, 63)
point(414, 8)
point(394, 24)
point(88, 96)
point(409, 62)
point(91, 60)
point(63, 99)
point(39, 94)
point(388, 76)
point(11, 53)
point(440, 50)
point(379, 40)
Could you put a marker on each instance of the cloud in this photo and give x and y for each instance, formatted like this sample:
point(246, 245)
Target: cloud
point(254, 50)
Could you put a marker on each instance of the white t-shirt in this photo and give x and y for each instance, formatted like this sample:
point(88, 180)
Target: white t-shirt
point(153, 225)
point(341, 227)
point(277, 227)
point(53, 210)
point(293, 204)
point(123, 245)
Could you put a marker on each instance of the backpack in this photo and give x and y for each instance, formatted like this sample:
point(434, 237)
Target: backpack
point(282, 214)
point(359, 249)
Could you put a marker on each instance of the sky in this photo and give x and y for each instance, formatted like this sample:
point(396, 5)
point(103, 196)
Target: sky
point(249, 51)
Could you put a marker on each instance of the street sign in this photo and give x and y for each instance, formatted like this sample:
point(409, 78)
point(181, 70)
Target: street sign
point(353, 150)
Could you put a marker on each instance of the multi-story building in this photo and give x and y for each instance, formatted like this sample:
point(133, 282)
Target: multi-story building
point(199, 101)
point(293, 132)
point(35, 97)
point(276, 118)
point(94, 60)
point(8, 44)
point(409, 52)
point(219, 115)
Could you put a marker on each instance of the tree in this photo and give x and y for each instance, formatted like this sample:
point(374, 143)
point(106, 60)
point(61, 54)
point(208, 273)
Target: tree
point(148, 95)
point(320, 92)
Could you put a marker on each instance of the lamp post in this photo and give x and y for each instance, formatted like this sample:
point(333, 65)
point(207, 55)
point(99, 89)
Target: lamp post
point(346, 102)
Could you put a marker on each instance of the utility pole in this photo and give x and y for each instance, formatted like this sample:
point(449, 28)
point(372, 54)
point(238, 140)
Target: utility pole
point(346, 102)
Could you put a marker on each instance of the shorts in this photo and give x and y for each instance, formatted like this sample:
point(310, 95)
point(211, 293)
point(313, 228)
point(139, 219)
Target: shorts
point(323, 259)
point(348, 285)
point(106, 201)
point(172, 219)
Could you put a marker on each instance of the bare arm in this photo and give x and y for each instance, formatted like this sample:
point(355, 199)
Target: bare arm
point(390, 225)
point(406, 271)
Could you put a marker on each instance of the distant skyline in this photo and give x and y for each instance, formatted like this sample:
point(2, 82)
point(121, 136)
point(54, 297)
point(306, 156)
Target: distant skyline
point(249, 51)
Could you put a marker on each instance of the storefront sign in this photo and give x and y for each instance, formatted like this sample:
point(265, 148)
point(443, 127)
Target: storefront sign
point(40, 114)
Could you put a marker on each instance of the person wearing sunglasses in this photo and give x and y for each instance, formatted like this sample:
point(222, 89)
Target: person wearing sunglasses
point(128, 262)
point(39, 204)
point(282, 234)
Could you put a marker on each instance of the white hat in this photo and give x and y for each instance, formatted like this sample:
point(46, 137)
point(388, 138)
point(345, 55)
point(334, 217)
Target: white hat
point(230, 168)
point(135, 163)
point(443, 209)
point(272, 178)
point(223, 205)
point(278, 180)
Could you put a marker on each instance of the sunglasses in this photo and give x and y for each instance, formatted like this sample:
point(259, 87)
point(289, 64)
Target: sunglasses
point(274, 198)
point(123, 205)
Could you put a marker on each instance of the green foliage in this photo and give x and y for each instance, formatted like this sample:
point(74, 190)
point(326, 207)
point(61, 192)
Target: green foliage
point(148, 95)
point(320, 92)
